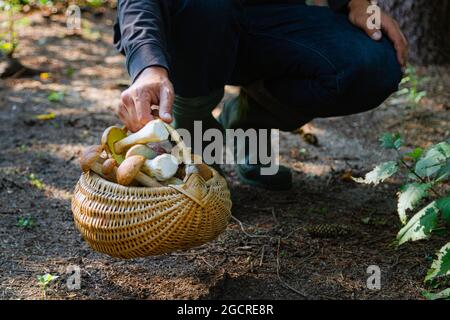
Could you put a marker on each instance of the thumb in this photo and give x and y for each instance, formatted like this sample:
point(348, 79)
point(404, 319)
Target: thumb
point(371, 29)
point(166, 98)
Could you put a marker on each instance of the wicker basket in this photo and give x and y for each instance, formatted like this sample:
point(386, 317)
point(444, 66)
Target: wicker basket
point(131, 222)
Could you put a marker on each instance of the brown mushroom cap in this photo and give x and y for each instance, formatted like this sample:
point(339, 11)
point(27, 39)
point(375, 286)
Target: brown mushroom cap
point(108, 166)
point(89, 157)
point(129, 169)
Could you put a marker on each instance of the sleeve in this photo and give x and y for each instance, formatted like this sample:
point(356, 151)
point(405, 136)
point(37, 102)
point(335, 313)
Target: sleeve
point(140, 33)
point(338, 5)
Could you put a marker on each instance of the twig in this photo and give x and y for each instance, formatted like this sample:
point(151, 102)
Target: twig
point(262, 255)
point(246, 233)
point(275, 216)
point(283, 283)
point(209, 264)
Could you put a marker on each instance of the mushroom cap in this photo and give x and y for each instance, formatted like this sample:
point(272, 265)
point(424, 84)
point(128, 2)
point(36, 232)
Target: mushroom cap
point(89, 156)
point(110, 136)
point(141, 150)
point(128, 170)
point(108, 166)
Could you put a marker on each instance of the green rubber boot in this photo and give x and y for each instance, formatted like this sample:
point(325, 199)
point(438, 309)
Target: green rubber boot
point(241, 112)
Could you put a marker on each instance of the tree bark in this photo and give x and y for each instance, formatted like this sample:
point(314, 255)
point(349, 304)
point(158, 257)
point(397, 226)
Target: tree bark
point(426, 24)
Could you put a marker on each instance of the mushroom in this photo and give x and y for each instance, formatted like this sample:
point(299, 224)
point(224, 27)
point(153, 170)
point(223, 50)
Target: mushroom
point(154, 131)
point(111, 136)
point(129, 170)
point(163, 167)
point(141, 150)
point(109, 166)
point(90, 160)
point(172, 181)
point(197, 166)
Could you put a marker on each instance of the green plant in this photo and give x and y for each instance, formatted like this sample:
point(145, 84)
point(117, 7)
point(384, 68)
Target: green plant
point(36, 182)
point(26, 222)
point(56, 96)
point(8, 38)
point(411, 84)
point(426, 173)
point(44, 281)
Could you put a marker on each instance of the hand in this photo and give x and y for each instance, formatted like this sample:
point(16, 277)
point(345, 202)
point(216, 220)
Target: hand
point(358, 16)
point(152, 87)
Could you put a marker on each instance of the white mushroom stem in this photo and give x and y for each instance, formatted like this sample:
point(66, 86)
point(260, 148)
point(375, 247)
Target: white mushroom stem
point(163, 167)
point(154, 131)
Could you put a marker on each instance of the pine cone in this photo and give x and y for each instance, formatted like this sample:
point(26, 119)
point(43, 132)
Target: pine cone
point(328, 230)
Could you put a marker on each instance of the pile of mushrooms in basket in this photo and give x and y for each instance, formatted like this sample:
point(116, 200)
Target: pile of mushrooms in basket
point(144, 158)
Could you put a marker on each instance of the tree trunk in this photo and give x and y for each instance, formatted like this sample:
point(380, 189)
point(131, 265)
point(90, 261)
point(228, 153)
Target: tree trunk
point(426, 24)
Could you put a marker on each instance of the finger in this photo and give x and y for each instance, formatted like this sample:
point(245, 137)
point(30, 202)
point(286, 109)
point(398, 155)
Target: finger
point(133, 122)
point(398, 39)
point(166, 99)
point(142, 103)
point(123, 114)
point(362, 21)
point(372, 32)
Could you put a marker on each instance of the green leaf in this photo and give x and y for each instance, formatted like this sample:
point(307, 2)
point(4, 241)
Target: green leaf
point(434, 159)
point(415, 154)
point(391, 141)
point(409, 196)
point(444, 294)
point(441, 265)
point(379, 174)
point(420, 225)
point(444, 172)
point(45, 279)
point(56, 96)
point(444, 207)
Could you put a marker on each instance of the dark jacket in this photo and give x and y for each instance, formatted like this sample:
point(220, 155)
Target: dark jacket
point(142, 28)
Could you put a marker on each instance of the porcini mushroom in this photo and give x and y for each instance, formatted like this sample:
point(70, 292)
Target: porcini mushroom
point(90, 160)
point(154, 131)
point(141, 150)
point(109, 138)
point(129, 170)
point(109, 166)
point(172, 181)
point(163, 167)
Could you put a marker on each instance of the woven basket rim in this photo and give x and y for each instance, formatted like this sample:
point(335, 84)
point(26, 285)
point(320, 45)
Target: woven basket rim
point(140, 189)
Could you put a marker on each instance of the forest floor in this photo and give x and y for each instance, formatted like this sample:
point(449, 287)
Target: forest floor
point(39, 168)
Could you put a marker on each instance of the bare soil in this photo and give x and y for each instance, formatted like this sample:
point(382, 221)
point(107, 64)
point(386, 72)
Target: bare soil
point(235, 266)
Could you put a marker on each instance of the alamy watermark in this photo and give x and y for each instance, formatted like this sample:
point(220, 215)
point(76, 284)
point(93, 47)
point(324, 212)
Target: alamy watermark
point(73, 18)
point(233, 146)
point(374, 280)
point(374, 12)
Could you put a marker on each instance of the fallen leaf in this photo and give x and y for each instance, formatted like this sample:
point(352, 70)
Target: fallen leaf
point(46, 116)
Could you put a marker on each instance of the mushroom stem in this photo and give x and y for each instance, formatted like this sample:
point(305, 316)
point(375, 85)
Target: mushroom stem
point(147, 181)
point(162, 167)
point(97, 167)
point(154, 131)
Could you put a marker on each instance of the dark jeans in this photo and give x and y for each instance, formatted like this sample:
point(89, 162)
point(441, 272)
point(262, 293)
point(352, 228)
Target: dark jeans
point(296, 62)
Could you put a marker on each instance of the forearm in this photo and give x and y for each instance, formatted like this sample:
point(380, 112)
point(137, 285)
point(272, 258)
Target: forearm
point(141, 34)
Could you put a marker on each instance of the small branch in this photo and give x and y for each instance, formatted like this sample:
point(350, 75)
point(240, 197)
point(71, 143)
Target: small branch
point(262, 255)
point(285, 284)
point(246, 233)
